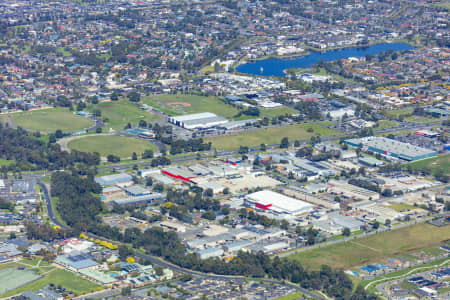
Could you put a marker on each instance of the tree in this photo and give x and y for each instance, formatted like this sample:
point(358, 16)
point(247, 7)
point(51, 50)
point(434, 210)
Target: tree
point(284, 143)
point(113, 158)
point(346, 231)
point(376, 225)
point(126, 291)
point(263, 147)
point(387, 193)
point(284, 224)
point(114, 96)
point(134, 156)
point(98, 130)
point(147, 154)
point(125, 252)
point(134, 97)
point(149, 181)
point(387, 222)
point(58, 134)
point(209, 215)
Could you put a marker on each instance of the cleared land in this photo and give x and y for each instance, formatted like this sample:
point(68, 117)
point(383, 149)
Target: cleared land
point(50, 120)
point(438, 163)
point(401, 206)
point(120, 113)
point(48, 274)
point(275, 112)
point(269, 136)
point(182, 104)
point(375, 247)
point(110, 144)
point(386, 124)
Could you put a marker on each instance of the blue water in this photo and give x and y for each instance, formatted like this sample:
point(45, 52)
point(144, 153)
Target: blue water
point(275, 66)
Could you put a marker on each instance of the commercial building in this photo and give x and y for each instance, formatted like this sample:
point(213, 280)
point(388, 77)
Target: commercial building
point(178, 173)
point(76, 262)
point(121, 178)
point(200, 120)
point(209, 252)
point(351, 191)
point(314, 167)
point(277, 203)
point(390, 147)
point(145, 199)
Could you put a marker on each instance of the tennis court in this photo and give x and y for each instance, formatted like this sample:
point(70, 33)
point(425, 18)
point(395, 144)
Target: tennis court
point(13, 278)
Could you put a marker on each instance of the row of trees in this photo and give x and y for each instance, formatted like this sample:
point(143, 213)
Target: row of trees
point(30, 153)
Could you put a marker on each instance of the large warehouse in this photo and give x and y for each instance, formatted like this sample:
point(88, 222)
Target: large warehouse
point(391, 148)
point(200, 120)
point(277, 203)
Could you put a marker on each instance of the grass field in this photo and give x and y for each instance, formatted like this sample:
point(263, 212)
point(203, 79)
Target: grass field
point(401, 206)
point(12, 278)
point(4, 162)
point(372, 248)
point(434, 164)
point(386, 124)
point(49, 274)
point(275, 112)
point(419, 119)
point(195, 104)
point(395, 113)
point(294, 296)
point(49, 120)
point(120, 113)
point(109, 144)
point(269, 136)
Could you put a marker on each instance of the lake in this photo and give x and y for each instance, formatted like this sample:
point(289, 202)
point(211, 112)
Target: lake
point(276, 66)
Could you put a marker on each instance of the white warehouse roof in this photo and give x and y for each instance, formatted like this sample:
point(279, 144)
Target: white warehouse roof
point(200, 120)
point(278, 202)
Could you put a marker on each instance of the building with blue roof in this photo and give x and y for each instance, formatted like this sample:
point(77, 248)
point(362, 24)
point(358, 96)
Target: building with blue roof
point(76, 262)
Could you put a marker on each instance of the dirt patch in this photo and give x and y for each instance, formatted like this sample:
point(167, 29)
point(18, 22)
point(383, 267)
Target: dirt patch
point(184, 104)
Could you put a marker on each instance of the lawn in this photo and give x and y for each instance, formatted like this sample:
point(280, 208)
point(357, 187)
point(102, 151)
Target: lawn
point(386, 124)
point(110, 144)
point(120, 113)
point(275, 112)
point(49, 274)
point(401, 206)
point(269, 136)
point(373, 248)
point(294, 296)
point(395, 113)
point(419, 119)
point(49, 120)
point(434, 164)
point(4, 162)
point(182, 104)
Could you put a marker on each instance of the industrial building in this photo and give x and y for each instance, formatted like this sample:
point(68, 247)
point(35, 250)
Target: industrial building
point(137, 200)
point(200, 120)
point(351, 191)
point(390, 147)
point(314, 167)
point(121, 178)
point(277, 203)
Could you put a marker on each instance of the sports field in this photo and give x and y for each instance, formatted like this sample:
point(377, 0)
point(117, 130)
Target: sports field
point(110, 144)
point(375, 247)
point(44, 274)
point(12, 278)
point(50, 120)
point(269, 136)
point(120, 113)
point(434, 164)
point(182, 104)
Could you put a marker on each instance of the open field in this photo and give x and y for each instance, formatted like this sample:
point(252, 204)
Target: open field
point(50, 120)
point(386, 124)
point(269, 136)
point(275, 112)
point(48, 274)
point(375, 247)
point(419, 119)
point(182, 104)
point(434, 164)
point(401, 206)
point(4, 162)
point(294, 296)
point(120, 113)
point(110, 144)
point(395, 113)
point(12, 278)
